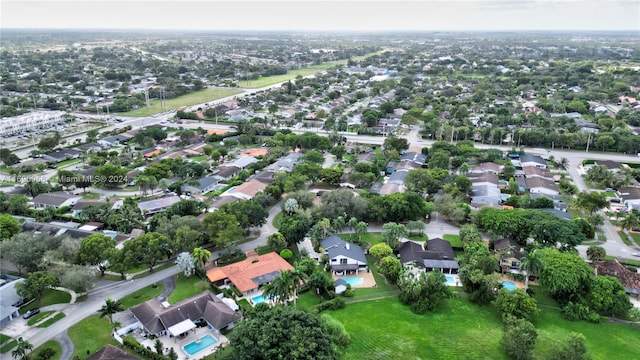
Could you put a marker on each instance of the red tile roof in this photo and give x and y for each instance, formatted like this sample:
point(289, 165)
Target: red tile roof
point(243, 273)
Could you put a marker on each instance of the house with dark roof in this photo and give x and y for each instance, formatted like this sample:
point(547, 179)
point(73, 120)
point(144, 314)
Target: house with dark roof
point(630, 197)
point(439, 255)
point(533, 171)
point(344, 257)
point(510, 254)
point(62, 155)
point(415, 157)
point(89, 147)
point(54, 230)
point(533, 160)
point(629, 279)
point(111, 141)
point(610, 165)
point(55, 199)
point(160, 318)
point(542, 186)
point(227, 172)
point(250, 274)
point(116, 203)
point(110, 352)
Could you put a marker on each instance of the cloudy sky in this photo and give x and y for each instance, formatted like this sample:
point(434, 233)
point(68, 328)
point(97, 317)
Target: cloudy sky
point(334, 15)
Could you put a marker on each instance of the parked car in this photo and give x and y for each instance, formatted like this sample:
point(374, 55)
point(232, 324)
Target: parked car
point(31, 313)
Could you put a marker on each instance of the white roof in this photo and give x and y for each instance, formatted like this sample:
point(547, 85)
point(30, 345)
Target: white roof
point(181, 327)
point(231, 304)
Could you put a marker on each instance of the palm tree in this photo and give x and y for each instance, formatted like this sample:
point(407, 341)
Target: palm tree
point(284, 286)
point(629, 221)
point(530, 263)
point(110, 307)
point(201, 256)
point(22, 350)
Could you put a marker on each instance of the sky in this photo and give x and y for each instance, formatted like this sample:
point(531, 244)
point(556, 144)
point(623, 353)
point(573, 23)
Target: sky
point(328, 15)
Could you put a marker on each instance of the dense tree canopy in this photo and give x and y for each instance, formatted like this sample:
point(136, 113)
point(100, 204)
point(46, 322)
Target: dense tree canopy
point(564, 275)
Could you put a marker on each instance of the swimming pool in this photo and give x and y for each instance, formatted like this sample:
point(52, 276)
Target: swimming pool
point(353, 280)
point(450, 280)
point(509, 285)
point(199, 344)
point(258, 299)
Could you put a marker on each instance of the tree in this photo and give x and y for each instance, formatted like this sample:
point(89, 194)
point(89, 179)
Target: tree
point(339, 224)
point(22, 350)
point(395, 143)
point(282, 288)
point(469, 233)
point(185, 263)
point(361, 229)
point(596, 253)
point(313, 156)
point(305, 265)
point(516, 303)
point(321, 281)
point(564, 275)
point(201, 257)
point(35, 285)
point(290, 206)
point(294, 228)
point(480, 286)
point(110, 307)
point(530, 264)
point(342, 202)
point(574, 348)
point(424, 293)
point(221, 228)
point(519, 338)
point(630, 220)
point(8, 226)
point(146, 249)
point(416, 225)
point(390, 267)
point(591, 201)
point(607, 296)
point(277, 241)
point(94, 250)
point(283, 333)
point(392, 232)
point(110, 175)
point(158, 346)
point(380, 250)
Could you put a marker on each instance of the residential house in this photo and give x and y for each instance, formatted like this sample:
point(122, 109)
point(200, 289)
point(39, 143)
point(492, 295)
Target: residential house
point(81, 204)
point(438, 256)
point(286, 163)
point(542, 186)
point(250, 274)
point(55, 199)
point(110, 352)
point(227, 172)
point(131, 176)
point(246, 190)
point(532, 171)
point(366, 158)
point(415, 157)
point(89, 147)
point(205, 185)
point(630, 197)
point(150, 207)
point(533, 160)
point(62, 155)
point(9, 300)
point(630, 280)
point(510, 255)
point(114, 140)
point(222, 200)
point(54, 230)
point(242, 162)
point(161, 318)
point(610, 165)
point(344, 257)
point(484, 188)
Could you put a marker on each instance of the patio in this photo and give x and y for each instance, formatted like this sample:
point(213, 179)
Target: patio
point(178, 343)
point(367, 279)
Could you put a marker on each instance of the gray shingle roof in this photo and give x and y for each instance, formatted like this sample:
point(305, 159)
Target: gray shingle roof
point(336, 247)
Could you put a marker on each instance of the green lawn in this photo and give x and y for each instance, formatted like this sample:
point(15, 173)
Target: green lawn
point(48, 322)
point(91, 195)
point(50, 297)
point(453, 239)
point(8, 346)
point(385, 329)
point(38, 317)
point(635, 237)
point(4, 338)
point(197, 97)
point(186, 288)
point(625, 238)
point(199, 158)
point(372, 237)
point(49, 344)
point(276, 220)
point(141, 296)
point(89, 335)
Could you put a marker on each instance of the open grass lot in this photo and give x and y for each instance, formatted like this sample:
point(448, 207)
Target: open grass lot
point(197, 97)
point(89, 335)
point(50, 321)
point(386, 329)
point(141, 296)
point(49, 344)
point(454, 240)
point(186, 288)
point(50, 297)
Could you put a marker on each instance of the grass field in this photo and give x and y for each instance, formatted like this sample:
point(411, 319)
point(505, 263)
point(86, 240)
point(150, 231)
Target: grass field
point(386, 329)
point(187, 287)
point(89, 335)
point(49, 344)
point(4, 338)
point(50, 297)
point(141, 296)
point(197, 97)
point(454, 240)
point(48, 322)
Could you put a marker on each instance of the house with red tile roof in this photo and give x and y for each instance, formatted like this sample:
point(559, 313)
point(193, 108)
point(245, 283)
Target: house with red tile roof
point(630, 280)
point(250, 274)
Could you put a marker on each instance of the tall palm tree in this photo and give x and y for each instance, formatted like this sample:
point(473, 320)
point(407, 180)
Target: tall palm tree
point(284, 286)
point(201, 256)
point(629, 221)
point(22, 350)
point(110, 307)
point(530, 264)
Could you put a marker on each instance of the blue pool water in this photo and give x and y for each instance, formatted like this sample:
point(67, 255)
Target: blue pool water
point(509, 285)
point(258, 299)
point(353, 281)
point(200, 344)
point(450, 280)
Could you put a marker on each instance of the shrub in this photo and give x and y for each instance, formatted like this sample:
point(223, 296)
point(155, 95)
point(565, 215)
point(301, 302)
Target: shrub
point(334, 304)
point(349, 293)
point(135, 346)
point(46, 354)
point(576, 311)
point(235, 291)
point(286, 254)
